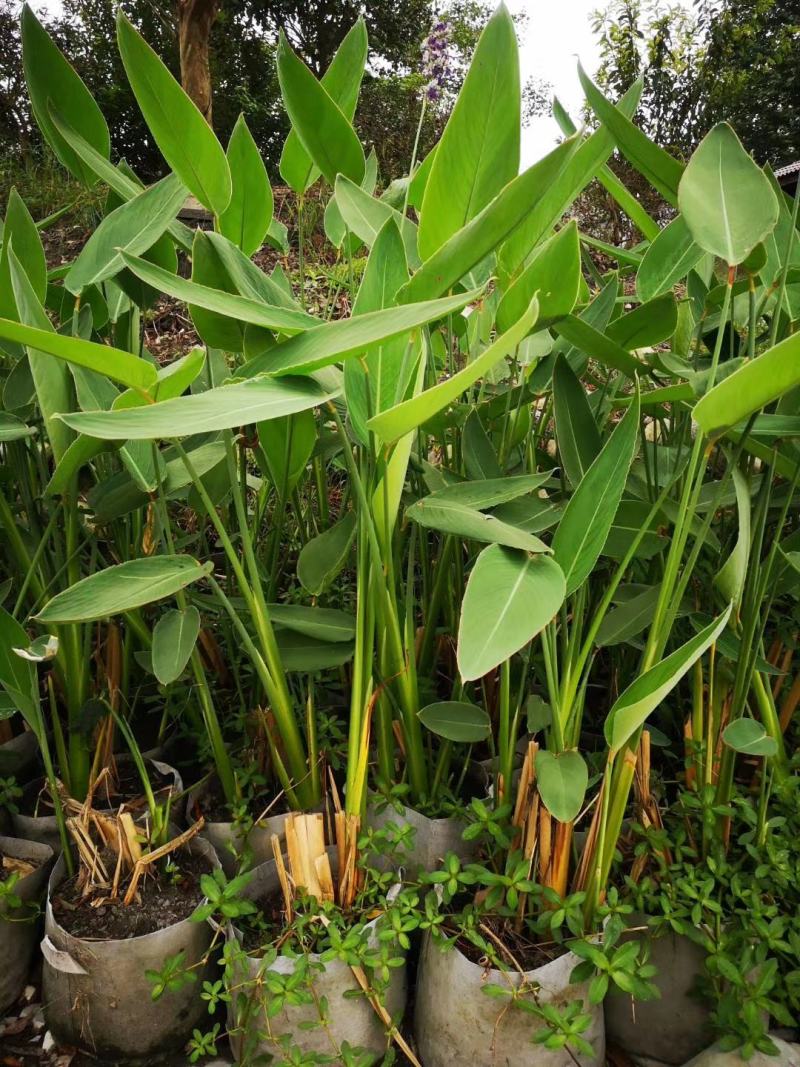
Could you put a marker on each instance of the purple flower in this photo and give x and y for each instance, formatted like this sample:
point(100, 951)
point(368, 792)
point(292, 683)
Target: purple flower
point(434, 59)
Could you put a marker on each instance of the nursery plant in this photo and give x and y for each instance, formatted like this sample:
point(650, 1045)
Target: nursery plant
point(451, 510)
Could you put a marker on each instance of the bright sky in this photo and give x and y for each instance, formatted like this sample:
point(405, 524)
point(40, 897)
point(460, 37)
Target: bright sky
point(557, 35)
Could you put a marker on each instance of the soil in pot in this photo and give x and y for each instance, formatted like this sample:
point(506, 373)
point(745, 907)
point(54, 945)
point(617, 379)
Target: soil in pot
point(96, 990)
point(27, 864)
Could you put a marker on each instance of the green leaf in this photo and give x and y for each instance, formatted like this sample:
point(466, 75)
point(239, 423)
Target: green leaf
point(407, 416)
point(183, 136)
point(488, 492)
point(647, 325)
point(246, 219)
point(480, 458)
point(750, 388)
point(483, 234)
point(50, 77)
point(241, 308)
point(337, 340)
point(561, 778)
point(288, 444)
point(115, 364)
point(365, 215)
point(452, 517)
point(322, 557)
point(122, 588)
point(13, 429)
point(215, 409)
point(577, 435)
point(726, 200)
point(730, 578)
point(19, 232)
point(750, 738)
point(299, 652)
point(174, 637)
point(553, 276)
point(657, 166)
point(325, 132)
point(457, 721)
point(582, 334)
point(629, 619)
point(669, 258)
point(478, 153)
point(632, 708)
point(509, 598)
point(380, 378)
point(588, 516)
point(324, 624)
point(342, 81)
point(17, 674)
point(133, 227)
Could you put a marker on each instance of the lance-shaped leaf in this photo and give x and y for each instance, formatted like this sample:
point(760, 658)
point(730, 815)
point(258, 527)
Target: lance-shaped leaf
point(322, 557)
point(324, 624)
point(657, 166)
point(750, 388)
point(50, 77)
point(730, 578)
point(120, 366)
point(183, 136)
point(486, 493)
point(632, 708)
point(561, 778)
point(510, 597)
point(19, 231)
point(490, 228)
point(457, 721)
point(669, 258)
point(553, 276)
point(122, 588)
point(414, 412)
point(726, 200)
point(325, 132)
point(133, 227)
point(577, 435)
point(584, 337)
point(216, 409)
point(246, 219)
point(174, 637)
point(366, 216)
point(478, 153)
point(341, 81)
point(299, 652)
point(453, 517)
point(335, 341)
point(18, 674)
point(242, 308)
point(287, 444)
point(588, 516)
point(647, 325)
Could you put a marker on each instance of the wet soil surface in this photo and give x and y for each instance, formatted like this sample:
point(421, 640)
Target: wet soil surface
point(163, 900)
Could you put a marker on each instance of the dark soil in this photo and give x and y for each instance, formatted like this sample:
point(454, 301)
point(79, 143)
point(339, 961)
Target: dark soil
point(36, 797)
point(211, 804)
point(164, 900)
point(517, 949)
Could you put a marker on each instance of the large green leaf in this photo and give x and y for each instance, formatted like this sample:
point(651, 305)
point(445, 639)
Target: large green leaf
point(456, 720)
point(241, 308)
point(246, 219)
point(287, 444)
point(629, 618)
point(380, 378)
point(577, 435)
point(750, 388)
point(118, 365)
point(647, 325)
point(726, 200)
point(299, 652)
point(174, 637)
point(50, 77)
point(749, 737)
point(553, 276)
point(484, 233)
point(478, 153)
point(183, 136)
point(122, 588)
point(561, 778)
point(453, 517)
point(405, 417)
point(216, 409)
point(584, 337)
point(18, 675)
point(488, 492)
point(587, 519)
point(366, 216)
point(659, 167)
point(324, 130)
point(341, 81)
point(322, 557)
point(510, 597)
point(133, 227)
point(335, 341)
point(669, 258)
point(324, 624)
point(631, 709)
point(19, 231)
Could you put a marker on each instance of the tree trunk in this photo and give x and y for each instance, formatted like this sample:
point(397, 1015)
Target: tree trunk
point(195, 19)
